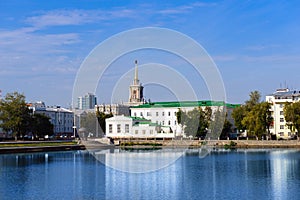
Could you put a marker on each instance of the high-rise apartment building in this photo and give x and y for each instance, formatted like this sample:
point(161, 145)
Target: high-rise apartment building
point(87, 101)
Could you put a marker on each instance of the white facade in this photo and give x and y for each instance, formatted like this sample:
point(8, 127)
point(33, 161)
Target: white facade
point(165, 113)
point(161, 116)
point(278, 100)
point(118, 126)
point(125, 126)
point(61, 118)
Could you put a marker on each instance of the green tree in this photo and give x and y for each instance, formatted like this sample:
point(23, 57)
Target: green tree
point(194, 122)
point(238, 115)
point(191, 122)
point(14, 114)
point(41, 126)
point(258, 119)
point(207, 114)
point(292, 116)
point(253, 100)
point(179, 115)
point(254, 116)
point(227, 128)
point(216, 124)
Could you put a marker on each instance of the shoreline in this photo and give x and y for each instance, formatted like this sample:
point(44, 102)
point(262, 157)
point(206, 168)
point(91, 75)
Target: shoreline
point(220, 144)
point(32, 149)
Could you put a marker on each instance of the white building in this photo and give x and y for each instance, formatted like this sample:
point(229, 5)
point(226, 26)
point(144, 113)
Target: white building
point(157, 119)
point(165, 113)
point(61, 118)
point(278, 100)
point(127, 127)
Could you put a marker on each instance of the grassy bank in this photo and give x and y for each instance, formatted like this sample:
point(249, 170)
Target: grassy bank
point(36, 144)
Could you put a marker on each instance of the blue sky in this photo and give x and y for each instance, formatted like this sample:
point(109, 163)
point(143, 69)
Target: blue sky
point(255, 44)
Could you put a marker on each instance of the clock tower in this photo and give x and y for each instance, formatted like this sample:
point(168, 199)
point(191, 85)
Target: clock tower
point(136, 89)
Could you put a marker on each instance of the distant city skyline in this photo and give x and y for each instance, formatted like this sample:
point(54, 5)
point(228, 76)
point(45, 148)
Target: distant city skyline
point(254, 44)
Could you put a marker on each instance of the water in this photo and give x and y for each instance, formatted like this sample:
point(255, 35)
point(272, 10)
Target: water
point(242, 174)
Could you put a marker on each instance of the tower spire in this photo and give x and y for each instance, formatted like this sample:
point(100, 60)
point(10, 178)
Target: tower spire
point(136, 78)
point(136, 89)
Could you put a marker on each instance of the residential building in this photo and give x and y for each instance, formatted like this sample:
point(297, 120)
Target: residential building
point(278, 100)
point(61, 118)
point(87, 101)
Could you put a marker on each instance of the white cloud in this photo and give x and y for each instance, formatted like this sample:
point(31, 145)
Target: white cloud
point(272, 58)
point(23, 49)
point(185, 8)
point(262, 47)
point(76, 17)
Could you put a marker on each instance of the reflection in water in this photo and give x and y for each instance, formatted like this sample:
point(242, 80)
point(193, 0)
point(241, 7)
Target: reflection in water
point(284, 170)
point(240, 174)
point(138, 161)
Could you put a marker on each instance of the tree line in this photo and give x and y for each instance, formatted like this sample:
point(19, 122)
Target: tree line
point(205, 123)
point(17, 120)
point(255, 116)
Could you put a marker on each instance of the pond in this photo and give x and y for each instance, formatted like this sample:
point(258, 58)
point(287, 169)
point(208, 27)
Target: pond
point(160, 174)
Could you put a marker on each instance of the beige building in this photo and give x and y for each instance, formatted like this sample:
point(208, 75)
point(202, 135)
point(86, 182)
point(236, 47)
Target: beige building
point(278, 99)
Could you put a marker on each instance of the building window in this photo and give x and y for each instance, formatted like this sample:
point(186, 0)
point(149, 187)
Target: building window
point(163, 122)
point(289, 133)
point(175, 113)
point(118, 128)
point(281, 126)
point(281, 119)
point(148, 114)
point(163, 113)
point(169, 113)
point(281, 133)
point(144, 132)
point(280, 105)
point(136, 132)
point(156, 114)
point(134, 114)
point(175, 122)
point(141, 114)
point(169, 122)
point(110, 128)
point(126, 128)
point(281, 112)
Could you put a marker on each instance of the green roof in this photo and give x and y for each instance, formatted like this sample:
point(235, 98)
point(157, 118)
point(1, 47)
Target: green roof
point(185, 104)
point(137, 118)
point(146, 122)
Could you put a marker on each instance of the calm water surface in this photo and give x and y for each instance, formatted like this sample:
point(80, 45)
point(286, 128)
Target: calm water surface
point(242, 174)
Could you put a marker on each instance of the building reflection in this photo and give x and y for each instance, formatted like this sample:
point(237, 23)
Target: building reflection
point(240, 174)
